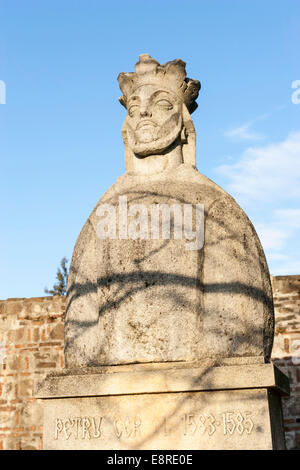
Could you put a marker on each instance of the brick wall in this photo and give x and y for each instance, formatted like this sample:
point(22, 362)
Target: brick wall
point(286, 350)
point(31, 340)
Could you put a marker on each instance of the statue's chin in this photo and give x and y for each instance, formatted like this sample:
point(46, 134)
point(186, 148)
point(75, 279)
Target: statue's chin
point(157, 143)
point(155, 147)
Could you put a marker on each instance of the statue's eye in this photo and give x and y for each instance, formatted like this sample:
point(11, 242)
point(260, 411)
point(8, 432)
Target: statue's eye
point(165, 104)
point(132, 109)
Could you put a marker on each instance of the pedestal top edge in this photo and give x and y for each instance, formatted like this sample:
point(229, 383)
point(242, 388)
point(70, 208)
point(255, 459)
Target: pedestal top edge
point(161, 378)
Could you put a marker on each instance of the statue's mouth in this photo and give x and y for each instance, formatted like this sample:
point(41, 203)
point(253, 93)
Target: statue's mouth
point(146, 125)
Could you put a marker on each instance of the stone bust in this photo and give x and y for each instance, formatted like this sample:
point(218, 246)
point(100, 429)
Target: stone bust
point(150, 299)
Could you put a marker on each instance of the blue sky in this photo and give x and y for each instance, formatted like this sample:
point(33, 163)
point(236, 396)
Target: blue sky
point(60, 139)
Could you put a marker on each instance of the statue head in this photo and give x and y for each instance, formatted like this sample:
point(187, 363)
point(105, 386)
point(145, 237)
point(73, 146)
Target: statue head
point(159, 100)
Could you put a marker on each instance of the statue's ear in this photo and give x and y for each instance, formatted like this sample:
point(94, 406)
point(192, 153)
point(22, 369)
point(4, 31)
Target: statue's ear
point(128, 152)
point(189, 144)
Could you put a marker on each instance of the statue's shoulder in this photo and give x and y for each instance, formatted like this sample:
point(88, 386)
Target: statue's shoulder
point(190, 174)
point(209, 192)
point(183, 174)
point(185, 179)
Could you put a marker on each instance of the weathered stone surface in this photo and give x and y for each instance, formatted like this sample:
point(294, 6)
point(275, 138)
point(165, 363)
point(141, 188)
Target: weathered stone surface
point(131, 407)
point(124, 415)
point(159, 378)
point(150, 298)
point(32, 414)
point(57, 332)
point(153, 300)
point(219, 420)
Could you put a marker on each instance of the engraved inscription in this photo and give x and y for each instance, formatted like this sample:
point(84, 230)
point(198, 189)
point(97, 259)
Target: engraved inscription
point(91, 427)
point(231, 422)
point(79, 427)
point(237, 422)
point(128, 427)
point(124, 427)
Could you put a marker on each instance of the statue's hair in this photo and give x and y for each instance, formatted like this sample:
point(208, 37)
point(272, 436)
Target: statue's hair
point(170, 76)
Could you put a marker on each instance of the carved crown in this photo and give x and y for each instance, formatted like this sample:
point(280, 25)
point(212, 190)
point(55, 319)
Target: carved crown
point(170, 76)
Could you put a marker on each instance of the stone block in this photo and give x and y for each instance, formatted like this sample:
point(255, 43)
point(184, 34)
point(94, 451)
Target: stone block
point(25, 387)
point(236, 419)
point(10, 388)
point(164, 407)
point(57, 332)
point(14, 307)
point(159, 378)
point(6, 419)
point(36, 335)
point(32, 414)
point(13, 362)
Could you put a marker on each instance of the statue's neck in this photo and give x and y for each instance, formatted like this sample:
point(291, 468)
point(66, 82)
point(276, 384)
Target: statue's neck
point(159, 163)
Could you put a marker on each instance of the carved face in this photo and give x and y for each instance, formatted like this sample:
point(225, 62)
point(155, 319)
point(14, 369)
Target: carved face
point(154, 120)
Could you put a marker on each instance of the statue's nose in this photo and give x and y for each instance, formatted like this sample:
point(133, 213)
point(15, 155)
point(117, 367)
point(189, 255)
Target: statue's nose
point(144, 112)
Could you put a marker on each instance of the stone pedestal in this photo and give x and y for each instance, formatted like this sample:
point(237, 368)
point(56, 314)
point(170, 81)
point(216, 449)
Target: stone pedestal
point(165, 406)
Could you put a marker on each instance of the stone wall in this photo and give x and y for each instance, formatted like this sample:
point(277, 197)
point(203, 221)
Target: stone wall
point(286, 350)
point(31, 345)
